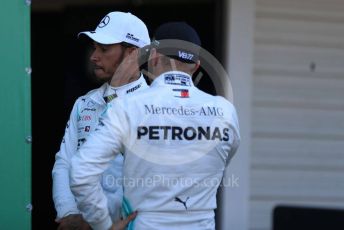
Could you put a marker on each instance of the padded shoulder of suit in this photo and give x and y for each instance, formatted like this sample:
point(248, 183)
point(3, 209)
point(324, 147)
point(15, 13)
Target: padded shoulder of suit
point(224, 101)
point(88, 94)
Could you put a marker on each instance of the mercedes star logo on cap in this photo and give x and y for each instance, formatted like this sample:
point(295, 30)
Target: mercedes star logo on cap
point(104, 21)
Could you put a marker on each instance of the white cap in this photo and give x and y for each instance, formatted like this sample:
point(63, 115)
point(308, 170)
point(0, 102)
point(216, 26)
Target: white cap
point(117, 27)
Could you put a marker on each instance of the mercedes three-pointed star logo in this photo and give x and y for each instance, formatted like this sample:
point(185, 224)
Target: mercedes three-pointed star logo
point(104, 21)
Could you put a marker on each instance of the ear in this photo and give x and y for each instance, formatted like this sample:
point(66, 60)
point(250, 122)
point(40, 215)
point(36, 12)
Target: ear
point(131, 54)
point(153, 57)
point(196, 66)
point(131, 51)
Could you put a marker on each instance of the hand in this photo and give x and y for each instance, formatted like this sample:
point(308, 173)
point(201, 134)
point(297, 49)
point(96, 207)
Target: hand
point(127, 70)
point(73, 222)
point(122, 224)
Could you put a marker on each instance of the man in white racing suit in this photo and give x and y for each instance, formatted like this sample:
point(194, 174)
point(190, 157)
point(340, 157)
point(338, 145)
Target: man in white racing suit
point(176, 141)
point(111, 46)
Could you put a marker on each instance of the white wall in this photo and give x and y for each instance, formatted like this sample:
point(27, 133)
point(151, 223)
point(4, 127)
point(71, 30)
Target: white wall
point(297, 107)
point(234, 209)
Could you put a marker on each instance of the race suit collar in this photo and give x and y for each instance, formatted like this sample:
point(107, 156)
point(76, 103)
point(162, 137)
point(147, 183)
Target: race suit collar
point(126, 89)
point(173, 79)
point(106, 90)
point(98, 96)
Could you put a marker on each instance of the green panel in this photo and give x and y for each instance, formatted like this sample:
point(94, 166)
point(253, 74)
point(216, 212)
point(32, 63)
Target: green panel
point(15, 115)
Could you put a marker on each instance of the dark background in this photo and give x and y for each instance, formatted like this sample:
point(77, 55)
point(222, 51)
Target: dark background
point(287, 217)
point(60, 75)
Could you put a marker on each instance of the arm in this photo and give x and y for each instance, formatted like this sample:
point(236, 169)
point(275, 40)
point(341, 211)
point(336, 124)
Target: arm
point(64, 200)
point(234, 141)
point(112, 180)
point(90, 162)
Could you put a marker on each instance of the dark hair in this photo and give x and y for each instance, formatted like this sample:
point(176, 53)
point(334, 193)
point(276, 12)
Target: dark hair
point(127, 45)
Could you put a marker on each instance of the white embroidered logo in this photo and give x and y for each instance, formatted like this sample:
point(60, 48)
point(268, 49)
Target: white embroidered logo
point(185, 55)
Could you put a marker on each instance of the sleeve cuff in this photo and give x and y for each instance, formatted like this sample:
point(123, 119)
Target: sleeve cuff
point(63, 211)
point(103, 225)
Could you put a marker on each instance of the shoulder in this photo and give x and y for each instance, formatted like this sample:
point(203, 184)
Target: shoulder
point(92, 95)
point(226, 107)
point(229, 111)
point(219, 100)
point(101, 89)
point(82, 99)
point(223, 101)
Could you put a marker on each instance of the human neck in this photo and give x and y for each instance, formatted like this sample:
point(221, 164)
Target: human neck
point(160, 71)
point(118, 81)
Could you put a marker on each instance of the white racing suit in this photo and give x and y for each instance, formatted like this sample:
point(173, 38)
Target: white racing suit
point(83, 121)
point(176, 140)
